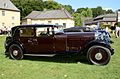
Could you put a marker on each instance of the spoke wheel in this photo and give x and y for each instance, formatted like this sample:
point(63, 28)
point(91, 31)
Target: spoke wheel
point(98, 55)
point(15, 52)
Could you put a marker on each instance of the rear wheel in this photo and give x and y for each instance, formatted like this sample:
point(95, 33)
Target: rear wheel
point(15, 52)
point(98, 55)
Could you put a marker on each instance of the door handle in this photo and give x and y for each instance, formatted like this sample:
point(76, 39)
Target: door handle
point(29, 41)
point(32, 40)
point(35, 40)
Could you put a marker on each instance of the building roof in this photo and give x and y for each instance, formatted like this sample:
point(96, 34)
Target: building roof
point(106, 16)
point(90, 21)
point(8, 5)
point(102, 18)
point(49, 14)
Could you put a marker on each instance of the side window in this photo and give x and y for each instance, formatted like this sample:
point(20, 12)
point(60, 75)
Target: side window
point(46, 31)
point(64, 24)
point(27, 32)
point(58, 30)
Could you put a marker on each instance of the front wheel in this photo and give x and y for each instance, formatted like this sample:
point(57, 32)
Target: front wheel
point(98, 55)
point(15, 52)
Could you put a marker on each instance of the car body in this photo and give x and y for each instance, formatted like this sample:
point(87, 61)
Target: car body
point(48, 40)
point(102, 34)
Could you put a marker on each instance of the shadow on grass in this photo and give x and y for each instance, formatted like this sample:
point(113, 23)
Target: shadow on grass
point(59, 59)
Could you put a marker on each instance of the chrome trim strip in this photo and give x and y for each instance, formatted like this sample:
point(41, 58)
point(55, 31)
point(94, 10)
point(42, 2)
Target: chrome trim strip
point(45, 55)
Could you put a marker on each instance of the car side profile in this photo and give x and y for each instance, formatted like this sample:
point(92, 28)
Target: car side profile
point(51, 40)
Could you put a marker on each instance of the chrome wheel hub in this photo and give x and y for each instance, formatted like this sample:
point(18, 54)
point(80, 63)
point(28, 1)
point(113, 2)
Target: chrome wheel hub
point(15, 52)
point(98, 56)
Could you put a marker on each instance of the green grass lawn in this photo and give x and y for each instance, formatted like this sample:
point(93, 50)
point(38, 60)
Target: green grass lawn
point(57, 68)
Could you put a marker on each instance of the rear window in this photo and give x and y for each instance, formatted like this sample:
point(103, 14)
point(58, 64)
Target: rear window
point(26, 32)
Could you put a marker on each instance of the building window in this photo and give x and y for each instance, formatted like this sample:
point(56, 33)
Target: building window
point(56, 23)
point(3, 24)
point(13, 17)
point(3, 13)
point(13, 24)
point(49, 22)
point(64, 24)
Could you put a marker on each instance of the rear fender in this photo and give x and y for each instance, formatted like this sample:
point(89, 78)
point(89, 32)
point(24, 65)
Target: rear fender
point(14, 42)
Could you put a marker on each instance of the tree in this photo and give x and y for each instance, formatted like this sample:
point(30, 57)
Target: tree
point(98, 11)
point(84, 13)
point(51, 5)
point(79, 10)
point(81, 14)
point(109, 11)
point(69, 8)
point(77, 19)
point(27, 6)
point(89, 13)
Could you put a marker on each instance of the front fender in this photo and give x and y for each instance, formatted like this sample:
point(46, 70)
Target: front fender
point(101, 43)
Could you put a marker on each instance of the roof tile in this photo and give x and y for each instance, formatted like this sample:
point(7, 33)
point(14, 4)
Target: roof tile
point(49, 14)
point(7, 4)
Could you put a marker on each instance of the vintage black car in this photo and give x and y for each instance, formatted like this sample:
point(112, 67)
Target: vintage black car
point(50, 40)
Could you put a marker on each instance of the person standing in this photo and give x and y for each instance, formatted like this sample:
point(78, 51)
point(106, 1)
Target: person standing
point(117, 30)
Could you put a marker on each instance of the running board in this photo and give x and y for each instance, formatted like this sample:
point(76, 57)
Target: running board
point(45, 55)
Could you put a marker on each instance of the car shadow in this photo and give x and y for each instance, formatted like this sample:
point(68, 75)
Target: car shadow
point(59, 59)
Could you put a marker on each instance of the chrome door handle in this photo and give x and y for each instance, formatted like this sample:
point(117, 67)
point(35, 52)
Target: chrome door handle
point(29, 41)
point(35, 40)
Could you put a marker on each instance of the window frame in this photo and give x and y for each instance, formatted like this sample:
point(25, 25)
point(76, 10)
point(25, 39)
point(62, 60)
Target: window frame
point(26, 34)
point(50, 33)
point(3, 13)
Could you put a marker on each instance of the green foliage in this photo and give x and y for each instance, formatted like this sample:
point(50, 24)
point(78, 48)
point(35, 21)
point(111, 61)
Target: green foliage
point(51, 5)
point(27, 6)
point(109, 11)
point(99, 11)
point(69, 8)
point(79, 10)
point(77, 19)
point(118, 24)
point(94, 12)
point(89, 13)
point(81, 14)
point(84, 13)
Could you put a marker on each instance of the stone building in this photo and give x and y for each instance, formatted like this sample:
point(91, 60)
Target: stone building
point(56, 17)
point(9, 15)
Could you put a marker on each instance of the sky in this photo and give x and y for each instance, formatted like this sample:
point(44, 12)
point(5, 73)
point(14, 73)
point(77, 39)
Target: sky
point(105, 4)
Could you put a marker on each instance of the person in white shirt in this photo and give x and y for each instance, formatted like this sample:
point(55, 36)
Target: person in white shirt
point(117, 30)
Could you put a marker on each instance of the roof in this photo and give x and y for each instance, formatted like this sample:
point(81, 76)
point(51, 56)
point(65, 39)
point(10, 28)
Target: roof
point(49, 14)
point(77, 29)
point(90, 21)
point(106, 16)
point(102, 18)
point(8, 5)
